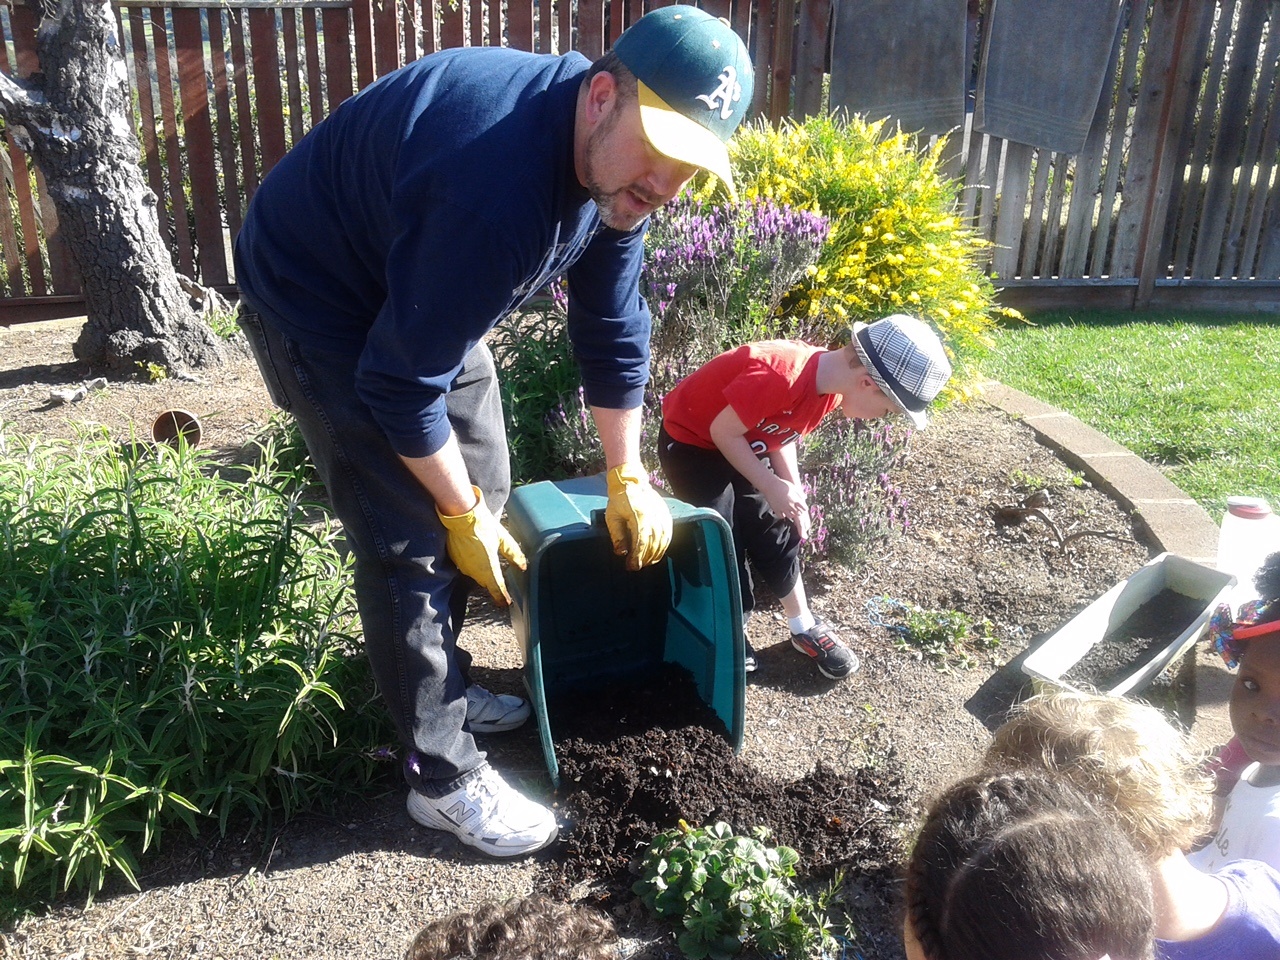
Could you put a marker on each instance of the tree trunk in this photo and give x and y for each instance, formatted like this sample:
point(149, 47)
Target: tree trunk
point(76, 121)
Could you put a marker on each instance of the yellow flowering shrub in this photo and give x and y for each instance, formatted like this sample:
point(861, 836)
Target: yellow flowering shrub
point(897, 244)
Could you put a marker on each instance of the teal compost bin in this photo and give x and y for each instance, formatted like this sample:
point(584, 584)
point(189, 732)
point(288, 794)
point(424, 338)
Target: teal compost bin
point(584, 619)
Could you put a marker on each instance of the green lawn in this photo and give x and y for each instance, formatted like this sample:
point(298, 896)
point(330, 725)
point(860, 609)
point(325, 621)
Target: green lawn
point(1198, 395)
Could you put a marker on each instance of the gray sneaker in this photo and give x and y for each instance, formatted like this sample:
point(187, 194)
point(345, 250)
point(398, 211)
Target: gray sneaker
point(488, 814)
point(494, 712)
point(835, 661)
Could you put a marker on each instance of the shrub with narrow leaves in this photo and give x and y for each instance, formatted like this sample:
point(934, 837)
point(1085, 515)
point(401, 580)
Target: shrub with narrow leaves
point(175, 645)
point(715, 275)
point(855, 506)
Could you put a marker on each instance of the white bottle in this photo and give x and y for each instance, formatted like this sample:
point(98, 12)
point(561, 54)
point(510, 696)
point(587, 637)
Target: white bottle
point(1250, 533)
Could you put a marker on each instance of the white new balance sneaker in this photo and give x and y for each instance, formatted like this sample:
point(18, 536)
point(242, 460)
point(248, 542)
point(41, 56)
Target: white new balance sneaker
point(488, 814)
point(494, 712)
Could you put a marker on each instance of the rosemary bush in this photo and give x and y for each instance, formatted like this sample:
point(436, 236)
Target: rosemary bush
point(174, 645)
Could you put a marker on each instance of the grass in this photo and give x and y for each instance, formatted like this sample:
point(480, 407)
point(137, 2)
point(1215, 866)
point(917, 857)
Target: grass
point(1195, 394)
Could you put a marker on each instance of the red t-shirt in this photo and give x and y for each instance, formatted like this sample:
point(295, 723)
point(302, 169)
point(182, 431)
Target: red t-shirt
point(772, 386)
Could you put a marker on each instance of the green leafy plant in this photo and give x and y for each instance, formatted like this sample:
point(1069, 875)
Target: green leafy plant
point(945, 638)
point(537, 376)
point(175, 644)
point(728, 891)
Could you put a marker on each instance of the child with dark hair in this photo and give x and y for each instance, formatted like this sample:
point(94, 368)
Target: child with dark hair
point(1021, 866)
point(528, 928)
point(1249, 824)
point(1133, 763)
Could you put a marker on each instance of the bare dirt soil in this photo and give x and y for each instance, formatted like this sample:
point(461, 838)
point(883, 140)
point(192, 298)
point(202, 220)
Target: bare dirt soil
point(362, 883)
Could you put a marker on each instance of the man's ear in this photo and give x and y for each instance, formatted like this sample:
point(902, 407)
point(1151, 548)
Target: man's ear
point(601, 95)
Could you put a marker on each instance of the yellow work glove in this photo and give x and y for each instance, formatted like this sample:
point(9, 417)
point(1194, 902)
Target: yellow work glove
point(637, 517)
point(477, 543)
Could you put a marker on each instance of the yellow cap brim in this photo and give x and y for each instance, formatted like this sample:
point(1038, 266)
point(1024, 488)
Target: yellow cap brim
point(676, 136)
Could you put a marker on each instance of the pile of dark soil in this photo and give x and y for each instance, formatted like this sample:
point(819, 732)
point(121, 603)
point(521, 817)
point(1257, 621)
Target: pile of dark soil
point(640, 757)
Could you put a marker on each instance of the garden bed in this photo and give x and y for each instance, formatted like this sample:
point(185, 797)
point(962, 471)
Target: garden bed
point(361, 883)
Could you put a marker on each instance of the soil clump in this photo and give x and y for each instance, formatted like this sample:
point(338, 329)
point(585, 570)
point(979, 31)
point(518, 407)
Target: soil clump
point(649, 755)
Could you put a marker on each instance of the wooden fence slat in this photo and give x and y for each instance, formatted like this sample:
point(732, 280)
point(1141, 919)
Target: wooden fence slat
point(546, 18)
point(990, 180)
point(1030, 263)
point(197, 139)
point(146, 105)
point(315, 78)
point(386, 36)
point(174, 192)
point(1012, 211)
point(1250, 249)
point(810, 67)
point(265, 50)
point(1182, 74)
point(591, 28)
point(63, 274)
point(1149, 136)
point(496, 26)
point(429, 34)
point(19, 182)
point(451, 24)
point(15, 283)
point(1084, 193)
point(1269, 256)
point(409, 31)
point(614, 17)
point(519, 24)
point(234, 203)
point(495, 21)
point(779, 102)
point(1053, 214)
point(565, 41)
point(337, 56)
point(761, 52)
point(1187, 193)
point(362, 36)
point(1230, 139)
point(292, 73)
point(244, 104)
point(1234, 262)
point(1125, 93)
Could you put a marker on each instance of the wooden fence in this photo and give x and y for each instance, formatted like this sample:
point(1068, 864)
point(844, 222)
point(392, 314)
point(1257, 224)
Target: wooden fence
point(1173, 199)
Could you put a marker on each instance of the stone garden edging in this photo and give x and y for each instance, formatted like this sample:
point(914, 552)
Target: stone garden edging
point(1175, 522)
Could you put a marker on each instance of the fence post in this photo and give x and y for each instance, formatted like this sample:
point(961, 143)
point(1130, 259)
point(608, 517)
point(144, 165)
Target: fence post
point(1177, 80)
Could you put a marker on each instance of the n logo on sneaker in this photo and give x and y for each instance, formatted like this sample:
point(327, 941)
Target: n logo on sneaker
point(459, 812)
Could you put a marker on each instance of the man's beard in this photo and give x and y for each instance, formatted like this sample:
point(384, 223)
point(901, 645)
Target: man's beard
point(607, 200)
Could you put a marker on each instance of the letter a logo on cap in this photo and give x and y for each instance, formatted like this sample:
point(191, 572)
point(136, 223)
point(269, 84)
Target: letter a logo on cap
point(724, 96)
point(694, 82)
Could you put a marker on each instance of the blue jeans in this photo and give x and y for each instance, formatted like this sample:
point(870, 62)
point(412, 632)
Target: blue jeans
point(411, 597)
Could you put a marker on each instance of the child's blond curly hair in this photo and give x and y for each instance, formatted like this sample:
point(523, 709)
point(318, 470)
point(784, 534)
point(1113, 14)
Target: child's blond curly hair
point(1120, 752)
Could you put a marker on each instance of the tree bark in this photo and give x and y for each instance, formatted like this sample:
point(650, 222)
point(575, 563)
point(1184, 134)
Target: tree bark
point(75, 119)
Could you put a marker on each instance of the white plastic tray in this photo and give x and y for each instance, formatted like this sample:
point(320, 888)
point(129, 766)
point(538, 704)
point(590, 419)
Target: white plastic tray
point(1064, 648)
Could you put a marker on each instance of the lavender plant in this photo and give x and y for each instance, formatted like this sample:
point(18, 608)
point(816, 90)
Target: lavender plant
point(715, 275)
point(847, 475)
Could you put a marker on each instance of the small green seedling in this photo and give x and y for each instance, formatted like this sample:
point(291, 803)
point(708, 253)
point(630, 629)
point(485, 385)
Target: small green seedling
point(945, 637)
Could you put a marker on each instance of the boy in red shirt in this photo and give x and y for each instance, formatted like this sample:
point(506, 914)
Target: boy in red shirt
point(728, 441)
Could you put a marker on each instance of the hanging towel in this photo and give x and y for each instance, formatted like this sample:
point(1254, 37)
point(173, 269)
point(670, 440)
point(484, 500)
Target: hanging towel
point(902, 59)
point(1043, 63)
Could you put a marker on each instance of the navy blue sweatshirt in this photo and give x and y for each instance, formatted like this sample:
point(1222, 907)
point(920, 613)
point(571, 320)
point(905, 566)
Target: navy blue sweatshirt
point(423, 211)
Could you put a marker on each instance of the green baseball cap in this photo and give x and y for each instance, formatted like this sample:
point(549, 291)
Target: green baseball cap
point(695, 84)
